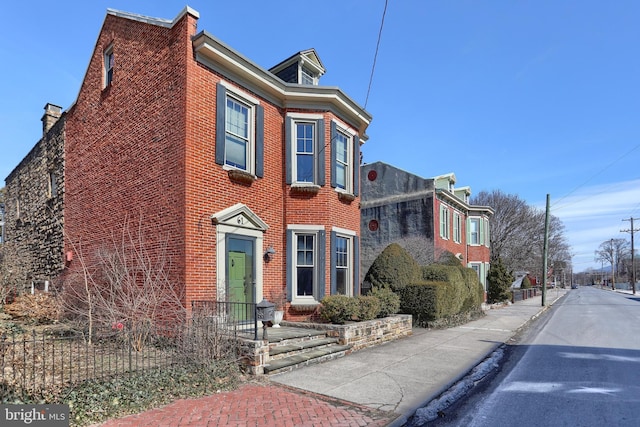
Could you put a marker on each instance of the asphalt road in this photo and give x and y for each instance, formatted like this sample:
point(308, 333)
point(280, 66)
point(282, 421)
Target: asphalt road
point(577, 365)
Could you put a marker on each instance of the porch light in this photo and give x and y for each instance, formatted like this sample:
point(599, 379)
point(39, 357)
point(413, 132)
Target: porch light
point(269, 253)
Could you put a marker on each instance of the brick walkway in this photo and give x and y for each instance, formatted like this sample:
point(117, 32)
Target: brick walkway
point(258, 405)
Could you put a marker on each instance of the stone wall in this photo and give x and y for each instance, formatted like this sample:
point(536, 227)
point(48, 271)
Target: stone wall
point(365, 334)
point(34, 203)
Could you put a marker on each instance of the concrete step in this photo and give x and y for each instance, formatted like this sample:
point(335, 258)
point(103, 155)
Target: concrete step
point(293, 347)
point(309, 356)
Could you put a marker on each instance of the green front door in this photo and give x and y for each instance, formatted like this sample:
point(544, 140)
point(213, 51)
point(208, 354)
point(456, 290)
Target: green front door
point(237, 278)
point(240, 276)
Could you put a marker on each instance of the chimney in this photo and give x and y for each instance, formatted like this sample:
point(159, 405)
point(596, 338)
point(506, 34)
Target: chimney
point(51, 115)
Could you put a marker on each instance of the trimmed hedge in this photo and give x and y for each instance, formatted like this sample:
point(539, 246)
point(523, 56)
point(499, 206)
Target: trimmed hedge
point(446, 291)
point(394, 268)
point(425, 301)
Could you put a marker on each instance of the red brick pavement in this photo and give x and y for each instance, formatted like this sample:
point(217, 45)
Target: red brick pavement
point(259, 406)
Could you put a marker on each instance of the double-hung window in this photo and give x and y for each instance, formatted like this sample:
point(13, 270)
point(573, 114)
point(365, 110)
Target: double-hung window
point(474, 231)
point(239, 130)
point(444, 222)
point(344, 258)
point(305, 263)
point(305, 149)
point(345, 156)
point(108, 66)
point(307, 77)
point(457, 227)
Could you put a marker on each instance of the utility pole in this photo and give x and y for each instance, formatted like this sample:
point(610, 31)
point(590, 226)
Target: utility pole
point(633, 261)
point(545, 252)
point(613, 269)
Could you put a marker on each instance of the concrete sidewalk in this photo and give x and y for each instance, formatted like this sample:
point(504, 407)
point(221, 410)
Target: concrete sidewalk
point(379, 386)
point(402, 376)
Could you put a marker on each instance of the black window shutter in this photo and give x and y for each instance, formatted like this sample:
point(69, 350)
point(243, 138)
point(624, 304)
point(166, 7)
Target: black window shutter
point(221, 108)
point(259, 141)
point(334, 134)
point(288, 154)
point(356, 165)
point(322, 280)
point(320, 154)
point(289, 263)
point(356, 266)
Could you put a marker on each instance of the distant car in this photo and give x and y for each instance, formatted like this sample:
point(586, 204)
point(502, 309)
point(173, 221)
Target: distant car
point(574, 286)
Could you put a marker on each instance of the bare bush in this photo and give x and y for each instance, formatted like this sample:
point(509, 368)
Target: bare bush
point(39, 308)
point(126, 283)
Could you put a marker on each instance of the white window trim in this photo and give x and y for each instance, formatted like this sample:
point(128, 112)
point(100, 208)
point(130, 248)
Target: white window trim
point(445, 224)
point(341, 127)
point(305, 227)
point(105, 69)
point(349, 236)
point(298, 230)
point(457, 227)
point(480, 224)
point(304, 118)
point(251, 102)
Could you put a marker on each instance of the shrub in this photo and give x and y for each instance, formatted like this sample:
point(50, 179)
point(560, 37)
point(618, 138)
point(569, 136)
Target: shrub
point(339, 308)
point(39, 308)
point(394, 267)
point(474, 296)
point(368, 307)
point(498, 282)
point(425, 301)
point(389, 301)
point(526, 283)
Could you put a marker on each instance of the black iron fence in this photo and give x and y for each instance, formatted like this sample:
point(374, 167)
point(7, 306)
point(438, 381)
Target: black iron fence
point(239, 316)
point(33, 362)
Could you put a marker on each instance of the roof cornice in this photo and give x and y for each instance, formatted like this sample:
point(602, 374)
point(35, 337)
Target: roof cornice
point(214, 54)
point(154, 21)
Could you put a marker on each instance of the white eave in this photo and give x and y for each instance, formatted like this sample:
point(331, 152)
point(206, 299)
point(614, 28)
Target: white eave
point(214, 54)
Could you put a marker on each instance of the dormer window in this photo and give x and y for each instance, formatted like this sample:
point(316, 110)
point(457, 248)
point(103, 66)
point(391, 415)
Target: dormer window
point(306, 77)
point(303, 68)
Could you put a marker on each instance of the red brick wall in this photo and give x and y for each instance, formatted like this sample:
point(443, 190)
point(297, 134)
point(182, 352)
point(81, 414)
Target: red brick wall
point(441, 245)
point(124, 154)
point(144, 149)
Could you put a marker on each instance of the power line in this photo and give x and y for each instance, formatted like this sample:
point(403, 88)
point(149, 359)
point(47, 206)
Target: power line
point(592, 177)
point(375, 56)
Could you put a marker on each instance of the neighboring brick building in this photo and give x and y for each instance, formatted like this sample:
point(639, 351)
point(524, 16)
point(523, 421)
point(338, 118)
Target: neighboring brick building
point(247, 178)
point(427, 216)
point(33, 229)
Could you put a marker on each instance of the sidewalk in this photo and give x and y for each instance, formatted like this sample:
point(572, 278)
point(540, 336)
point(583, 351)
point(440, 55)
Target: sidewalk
point(378, 386)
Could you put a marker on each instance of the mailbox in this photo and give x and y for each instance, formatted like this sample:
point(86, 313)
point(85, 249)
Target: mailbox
point(264, 313)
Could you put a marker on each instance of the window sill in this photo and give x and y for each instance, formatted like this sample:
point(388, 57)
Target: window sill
point(304, 307)
point(346, 197)
point(241, 177)
point(305, 189)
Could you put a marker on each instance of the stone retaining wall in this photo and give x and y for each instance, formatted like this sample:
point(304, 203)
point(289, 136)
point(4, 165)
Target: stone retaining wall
point(255, 354)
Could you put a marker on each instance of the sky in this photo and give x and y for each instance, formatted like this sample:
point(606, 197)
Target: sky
point(528, 97)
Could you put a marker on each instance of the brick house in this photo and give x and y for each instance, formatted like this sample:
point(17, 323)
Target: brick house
point(427, 216)
point(247, 178)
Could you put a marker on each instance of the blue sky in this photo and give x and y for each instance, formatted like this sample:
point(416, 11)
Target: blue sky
point(529, 97)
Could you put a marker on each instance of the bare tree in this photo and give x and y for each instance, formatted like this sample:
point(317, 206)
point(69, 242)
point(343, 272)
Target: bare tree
point(614, 252)
point(517, 233)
